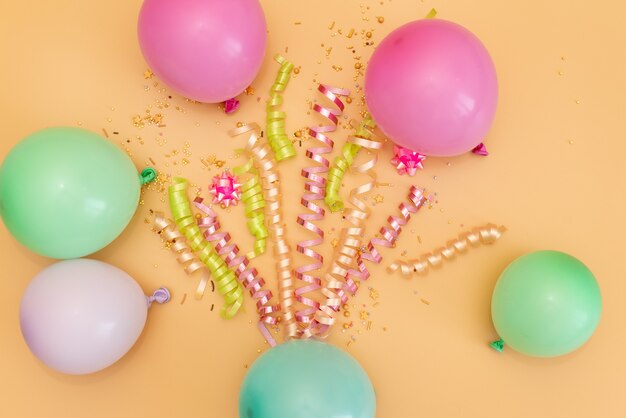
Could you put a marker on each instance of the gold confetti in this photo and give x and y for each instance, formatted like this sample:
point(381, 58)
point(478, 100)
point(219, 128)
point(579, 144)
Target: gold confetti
point(379, 199)
point(364, 315)
point(147, 74)
point(425, 302)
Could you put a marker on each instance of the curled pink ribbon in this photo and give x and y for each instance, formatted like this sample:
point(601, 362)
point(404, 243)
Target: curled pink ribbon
point(240, 264)
point(314, 191)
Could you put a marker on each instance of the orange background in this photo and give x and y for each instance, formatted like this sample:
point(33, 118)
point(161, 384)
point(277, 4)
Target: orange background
point(552, 178)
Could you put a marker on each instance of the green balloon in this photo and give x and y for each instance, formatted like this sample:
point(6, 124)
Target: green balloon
point(546, 304)
point(306, 379)
point(67, 192)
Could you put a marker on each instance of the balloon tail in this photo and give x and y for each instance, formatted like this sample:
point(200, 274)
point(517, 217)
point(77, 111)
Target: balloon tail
point(498, 345)
point(148, 175)
point(160, 296)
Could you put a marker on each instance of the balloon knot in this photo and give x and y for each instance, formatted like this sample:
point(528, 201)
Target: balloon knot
point(497, 345)
point(148, 175)
point(231, 106)
point(160, 296)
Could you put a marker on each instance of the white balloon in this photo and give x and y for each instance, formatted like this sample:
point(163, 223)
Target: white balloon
point(80, 316)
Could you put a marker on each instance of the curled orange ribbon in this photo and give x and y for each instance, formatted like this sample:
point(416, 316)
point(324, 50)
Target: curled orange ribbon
point(314, 189)
point(184, 254)
point(487, 234)
point(270, 180)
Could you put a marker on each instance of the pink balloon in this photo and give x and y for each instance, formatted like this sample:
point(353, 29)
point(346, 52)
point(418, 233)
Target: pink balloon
point(206, 50)
point(431, 86)
point(80, 316)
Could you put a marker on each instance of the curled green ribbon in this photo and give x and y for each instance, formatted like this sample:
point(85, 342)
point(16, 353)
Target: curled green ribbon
point(225, 279)
point(277, 138)
point(254, 202)
point(342, 163)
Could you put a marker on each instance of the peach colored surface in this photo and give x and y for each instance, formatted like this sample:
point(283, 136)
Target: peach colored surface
point(554, 178)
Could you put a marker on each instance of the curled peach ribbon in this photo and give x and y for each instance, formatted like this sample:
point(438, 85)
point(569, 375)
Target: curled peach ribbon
point(336, 290)
point(254, 202)
point(227, 284)
point(278, 140)
point(270, 181)
point(184, 254)
point(248, 276)
point(314, 190)
point(484, 235)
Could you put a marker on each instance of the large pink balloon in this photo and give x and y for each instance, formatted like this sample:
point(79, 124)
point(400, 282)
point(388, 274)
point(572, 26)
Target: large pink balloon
point(431, 86)
point(80, 316)
point(206, 50)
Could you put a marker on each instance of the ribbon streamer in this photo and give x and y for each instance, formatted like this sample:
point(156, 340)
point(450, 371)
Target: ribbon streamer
point(227, 284)
point(484, 235)
point(336, 289)
point(254, 202)
point(342, 163)
point(248, 276)
point(270, 180)
point(184, 254)
point(314, 188)
point(279, 141)
point(388, 236)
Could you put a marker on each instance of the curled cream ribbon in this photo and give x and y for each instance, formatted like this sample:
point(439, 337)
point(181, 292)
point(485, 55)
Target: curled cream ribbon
point(185, 256)
point(342, 163)
point(227, 284)
point(388, 236)
point(248, 276)
point(270, 180)
point(254, 202)
point(336, 289)
point(487, 234)
point(313, 193)
point(279, 141)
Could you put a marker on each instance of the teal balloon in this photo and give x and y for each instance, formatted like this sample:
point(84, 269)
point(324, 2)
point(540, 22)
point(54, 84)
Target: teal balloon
point(67, 192)
point(546, 304)
point(306, 379)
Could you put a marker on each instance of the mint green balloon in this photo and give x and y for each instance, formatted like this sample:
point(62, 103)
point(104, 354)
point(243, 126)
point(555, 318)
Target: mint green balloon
point(546, 304)
point(67, 192)
point(306, 379)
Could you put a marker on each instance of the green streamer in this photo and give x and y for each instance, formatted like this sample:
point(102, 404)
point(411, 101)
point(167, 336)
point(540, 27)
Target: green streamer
point(254, 202)
point(277, 138)
point(225, 279)
point(342, 163)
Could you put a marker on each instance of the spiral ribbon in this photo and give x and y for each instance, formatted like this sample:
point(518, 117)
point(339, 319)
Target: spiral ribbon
point(388, 236)
point(270, 181)
point(227, 284)
point(314, 192)
point(336, 290)
point(185, 255)
point(240, 264)
point(254, 202)
point(279, 141)
point(484, 235)
point(342, 163)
